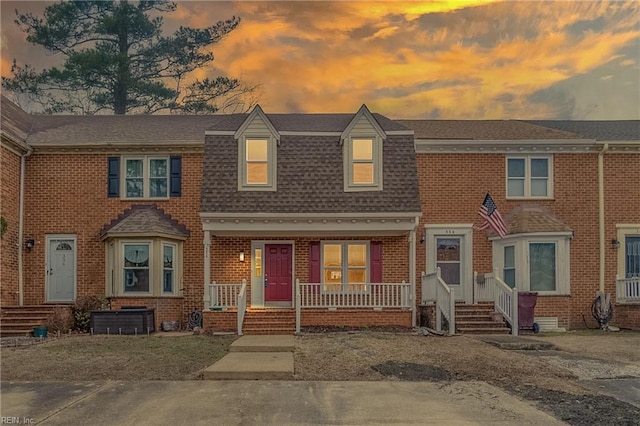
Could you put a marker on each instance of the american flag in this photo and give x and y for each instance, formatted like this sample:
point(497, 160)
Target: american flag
point(492, 217)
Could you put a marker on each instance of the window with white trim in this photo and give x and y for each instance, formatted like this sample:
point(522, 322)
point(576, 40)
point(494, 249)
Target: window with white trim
point(535, 262)
point(530, 176)
point(136, 267)
point(257, 165)
point(145, 177)
point(145, 266)
point(363, 164)
point(168, 267)
point(345, 265)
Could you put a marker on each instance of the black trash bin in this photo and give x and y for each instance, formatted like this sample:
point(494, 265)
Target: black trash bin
point(526, 308)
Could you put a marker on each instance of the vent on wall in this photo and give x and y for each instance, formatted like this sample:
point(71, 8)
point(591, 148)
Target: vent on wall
point(548, 324)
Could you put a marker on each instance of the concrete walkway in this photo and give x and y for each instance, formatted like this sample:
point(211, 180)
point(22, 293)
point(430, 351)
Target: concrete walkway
point(255, 358)
point(266, 403)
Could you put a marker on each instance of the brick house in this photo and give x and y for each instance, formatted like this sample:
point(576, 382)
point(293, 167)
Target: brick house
point(317, 219)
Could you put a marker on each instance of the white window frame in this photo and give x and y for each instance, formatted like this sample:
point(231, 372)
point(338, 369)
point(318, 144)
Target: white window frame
point(624, 231)
point(123, 268)
point(528, 178)
point(522, 242)
point(146, 176)
point(115, 276)
point(272, 158)
point(174, 247)
point(347, 155)
point(345, 266)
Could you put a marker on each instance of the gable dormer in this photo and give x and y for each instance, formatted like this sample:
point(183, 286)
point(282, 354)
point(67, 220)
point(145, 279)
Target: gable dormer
point(362, 152)
point(258, 142)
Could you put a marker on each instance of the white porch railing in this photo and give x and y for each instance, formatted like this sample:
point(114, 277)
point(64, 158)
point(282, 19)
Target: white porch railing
point(224, 296)
point(505, 299)
point(482, 289)
point(368, 295)
point(242, 305)
point(627, 290)
point(434, 287)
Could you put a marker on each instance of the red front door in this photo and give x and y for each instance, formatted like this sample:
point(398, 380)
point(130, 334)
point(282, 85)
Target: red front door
point(278, 273)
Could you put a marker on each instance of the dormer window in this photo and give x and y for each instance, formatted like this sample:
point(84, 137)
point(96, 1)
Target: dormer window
point(363, 164)
point(362, 153)
point(257, 168)
point(257, 153)
point(257, 164)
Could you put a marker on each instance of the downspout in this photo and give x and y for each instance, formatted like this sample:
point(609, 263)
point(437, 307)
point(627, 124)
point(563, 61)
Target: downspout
point(412, 272)
point(23, 158)
point(604, 149)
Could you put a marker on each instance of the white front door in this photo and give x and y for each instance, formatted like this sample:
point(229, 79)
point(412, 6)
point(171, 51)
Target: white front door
point(450, 250)
point(61, 268)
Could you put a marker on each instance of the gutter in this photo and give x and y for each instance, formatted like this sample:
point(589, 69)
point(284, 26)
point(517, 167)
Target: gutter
point(604, 149)
point(23, 158)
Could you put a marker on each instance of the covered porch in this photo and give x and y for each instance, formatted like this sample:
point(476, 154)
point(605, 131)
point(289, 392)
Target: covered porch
point(287, 272)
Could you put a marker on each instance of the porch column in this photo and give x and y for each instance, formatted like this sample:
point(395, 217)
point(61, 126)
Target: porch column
point(207, 268)
point(412, 274)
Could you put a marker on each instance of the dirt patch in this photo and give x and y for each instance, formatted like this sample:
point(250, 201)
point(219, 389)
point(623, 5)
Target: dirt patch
point(413, 357)
point(409, 371)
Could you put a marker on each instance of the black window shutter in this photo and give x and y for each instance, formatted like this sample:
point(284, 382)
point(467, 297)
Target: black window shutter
point(113, 177)
point(175, 177)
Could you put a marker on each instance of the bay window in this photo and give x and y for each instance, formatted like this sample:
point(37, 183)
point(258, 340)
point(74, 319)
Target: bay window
point(145, 266)
point(534, 262)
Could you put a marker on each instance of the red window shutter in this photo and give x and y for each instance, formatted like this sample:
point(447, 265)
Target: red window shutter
point(376, 262)
point(314, 262)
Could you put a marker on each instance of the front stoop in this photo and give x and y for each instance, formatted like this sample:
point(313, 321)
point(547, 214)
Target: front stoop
point(255, 358)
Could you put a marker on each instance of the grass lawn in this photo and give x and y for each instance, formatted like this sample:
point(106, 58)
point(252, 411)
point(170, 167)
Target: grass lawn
point(83, 357)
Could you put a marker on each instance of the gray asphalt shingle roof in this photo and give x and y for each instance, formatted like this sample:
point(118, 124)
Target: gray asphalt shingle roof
point(309, 179)
point(144, 219)
point(616, 130)
point(483, 130)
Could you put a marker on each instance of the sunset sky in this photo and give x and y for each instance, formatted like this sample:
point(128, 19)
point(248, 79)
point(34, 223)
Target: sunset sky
point(457, 59)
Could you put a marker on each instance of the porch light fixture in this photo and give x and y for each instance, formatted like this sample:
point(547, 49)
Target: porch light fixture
point(28, 244)
point(615, 243)
point(241, 256)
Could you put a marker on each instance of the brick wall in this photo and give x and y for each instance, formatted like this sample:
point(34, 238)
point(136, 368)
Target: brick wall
point(356, 317)
point(67, 194)
point(452, 187)
point(9, 210)
point(622, 206)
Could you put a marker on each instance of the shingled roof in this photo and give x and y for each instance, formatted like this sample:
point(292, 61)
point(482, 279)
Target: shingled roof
point(615, 130)
point(144, 220)
point(530, 219)
point(483, 130)
point(15, 123)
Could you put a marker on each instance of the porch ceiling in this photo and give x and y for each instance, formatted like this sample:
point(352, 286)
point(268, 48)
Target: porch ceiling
point(289, 225)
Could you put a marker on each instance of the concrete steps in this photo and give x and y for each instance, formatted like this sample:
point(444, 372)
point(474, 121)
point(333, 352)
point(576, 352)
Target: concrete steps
point(255, 358)
point(20, 320)
point(478, 319)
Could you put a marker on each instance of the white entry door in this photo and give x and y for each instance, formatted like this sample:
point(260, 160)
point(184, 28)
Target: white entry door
point(450, 249)
point(61, 268)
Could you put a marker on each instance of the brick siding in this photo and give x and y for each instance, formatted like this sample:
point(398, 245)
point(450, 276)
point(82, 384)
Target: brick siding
point(9, 209)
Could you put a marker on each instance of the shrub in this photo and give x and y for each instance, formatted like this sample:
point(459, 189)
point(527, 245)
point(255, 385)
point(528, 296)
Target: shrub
point(82, 311)
point(60, 320)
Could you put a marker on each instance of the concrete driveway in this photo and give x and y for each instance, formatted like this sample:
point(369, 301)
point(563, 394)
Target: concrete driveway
point(263, 402)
